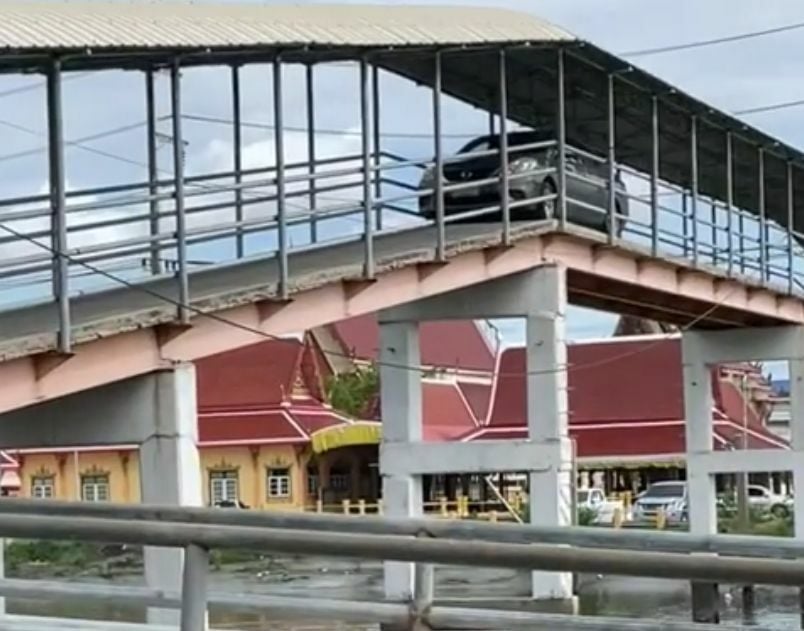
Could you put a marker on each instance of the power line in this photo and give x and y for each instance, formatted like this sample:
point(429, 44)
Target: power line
point(769, 108)
point(714, 41)
point(213, 316)
point(38, 86)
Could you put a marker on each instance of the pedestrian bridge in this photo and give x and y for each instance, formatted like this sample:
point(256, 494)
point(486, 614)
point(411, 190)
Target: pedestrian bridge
point(585, 180)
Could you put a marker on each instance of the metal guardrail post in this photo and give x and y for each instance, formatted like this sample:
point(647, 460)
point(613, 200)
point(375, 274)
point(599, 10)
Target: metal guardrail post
point(438, 192)
point(375, 126)
point(368, 197)
point(153, 169)
point(423, 593)
point(763, 224)
point(309, 81)
point(611, 205)
point(281, 202)
point(237, 159)
point(194, 589)
point(58, 201)
point(562, 142)
point(730, 203)
point(694, 185)
point(178, 191)
point(654, 177)
point(505, 203)
point(791, 278)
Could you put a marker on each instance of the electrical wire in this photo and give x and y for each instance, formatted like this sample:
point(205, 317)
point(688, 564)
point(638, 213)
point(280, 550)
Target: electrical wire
point(714, 41)
point(421, 369)
point(769, 108)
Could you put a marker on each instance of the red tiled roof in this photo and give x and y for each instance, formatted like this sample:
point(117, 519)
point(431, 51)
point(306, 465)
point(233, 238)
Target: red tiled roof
point(272, 426)
point(257, 375)
point(634, 380)
point(478, 397)
point(445, 413)
point(311, 422)
point(453, 344)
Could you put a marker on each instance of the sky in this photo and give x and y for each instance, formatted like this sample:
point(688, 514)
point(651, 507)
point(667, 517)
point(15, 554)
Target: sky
point(731, 76)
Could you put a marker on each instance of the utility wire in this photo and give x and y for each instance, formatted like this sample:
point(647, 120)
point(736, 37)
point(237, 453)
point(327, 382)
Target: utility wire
point(714, 41)
point(259, 333)
point(770, 108)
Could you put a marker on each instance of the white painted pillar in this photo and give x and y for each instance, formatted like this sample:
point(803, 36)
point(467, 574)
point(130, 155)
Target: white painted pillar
point(797, 438)
point(170, 472)
point(698, 413)
point(401, 399)
point(550, 503)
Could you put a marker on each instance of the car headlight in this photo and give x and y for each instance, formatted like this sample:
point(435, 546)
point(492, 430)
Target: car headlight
point(428, 178)
point(522, 165)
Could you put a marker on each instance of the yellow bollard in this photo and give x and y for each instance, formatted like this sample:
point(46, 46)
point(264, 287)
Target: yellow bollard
point(466, 506)
point(361, 507)
point(443, 506)
point(617, 518)
point(319, 506)
point(493, 516)
point(347, 508)
point(661, 520)
point(379, 507)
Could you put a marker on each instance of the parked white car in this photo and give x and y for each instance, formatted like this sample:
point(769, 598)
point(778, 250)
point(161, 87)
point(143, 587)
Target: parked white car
point(670, 497)
point(595, 500)
point(762, 498)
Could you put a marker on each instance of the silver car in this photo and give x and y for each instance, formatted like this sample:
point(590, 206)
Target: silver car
point(529, 178)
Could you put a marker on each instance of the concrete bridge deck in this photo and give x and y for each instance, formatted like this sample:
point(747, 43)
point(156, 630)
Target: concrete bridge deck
point(126, 331)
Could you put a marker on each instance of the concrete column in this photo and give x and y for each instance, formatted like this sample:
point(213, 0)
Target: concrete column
point(401, 397)
point(549, 490)
point(797, 439)
point(702, 512)
point(170, 471)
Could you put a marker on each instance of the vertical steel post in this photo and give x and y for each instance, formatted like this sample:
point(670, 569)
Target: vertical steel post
point(237, 146)
point(562, 143)
point(281, 202)
point(375, 105)
point(763, 226)
point(438, 193)
point(153, 169)
point(714, 226)
point(58, 206)
point(505, 204)
point(791, 281)
point(684, 223)
point(654, 177)
point(368, 201)
point(730, 203)
point(178, 192)
point(312, 198)
point(611, 205)
point(694, 185)
point(194, 589)
point(492, 123)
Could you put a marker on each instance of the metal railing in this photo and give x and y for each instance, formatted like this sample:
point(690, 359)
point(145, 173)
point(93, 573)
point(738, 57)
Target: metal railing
point(133, 230)
point(729, 559)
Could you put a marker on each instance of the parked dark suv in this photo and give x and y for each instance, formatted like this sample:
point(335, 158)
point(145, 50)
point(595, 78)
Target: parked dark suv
point(527, 181)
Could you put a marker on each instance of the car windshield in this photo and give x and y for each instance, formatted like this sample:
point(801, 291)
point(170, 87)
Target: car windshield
point(665, 490)
point(489, 143)
point(583, 496)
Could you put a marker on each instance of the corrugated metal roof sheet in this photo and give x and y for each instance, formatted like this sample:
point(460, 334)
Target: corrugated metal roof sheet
point(38, 25)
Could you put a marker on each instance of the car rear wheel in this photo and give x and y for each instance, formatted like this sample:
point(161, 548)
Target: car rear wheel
point(780, 510)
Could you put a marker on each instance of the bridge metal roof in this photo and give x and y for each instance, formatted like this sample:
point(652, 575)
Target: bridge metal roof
point(134, 35)
point(36, 25)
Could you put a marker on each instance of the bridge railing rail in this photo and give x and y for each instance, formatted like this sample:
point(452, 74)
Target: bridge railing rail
point(728, 559)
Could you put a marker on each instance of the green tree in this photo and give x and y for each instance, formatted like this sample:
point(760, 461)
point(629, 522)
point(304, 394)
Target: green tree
point(353, 392)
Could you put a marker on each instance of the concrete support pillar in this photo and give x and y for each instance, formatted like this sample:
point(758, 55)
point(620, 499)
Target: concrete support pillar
point(400, 393)
point(549, 490)
point(170, 472)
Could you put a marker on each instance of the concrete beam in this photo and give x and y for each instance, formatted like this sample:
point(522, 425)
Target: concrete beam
point(757, 343)
point(743, 461)
point(421, 458)
point(507, 297)
point(116, 414)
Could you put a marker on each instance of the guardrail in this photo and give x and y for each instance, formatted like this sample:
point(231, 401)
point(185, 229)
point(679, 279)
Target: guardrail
point(422, 541)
